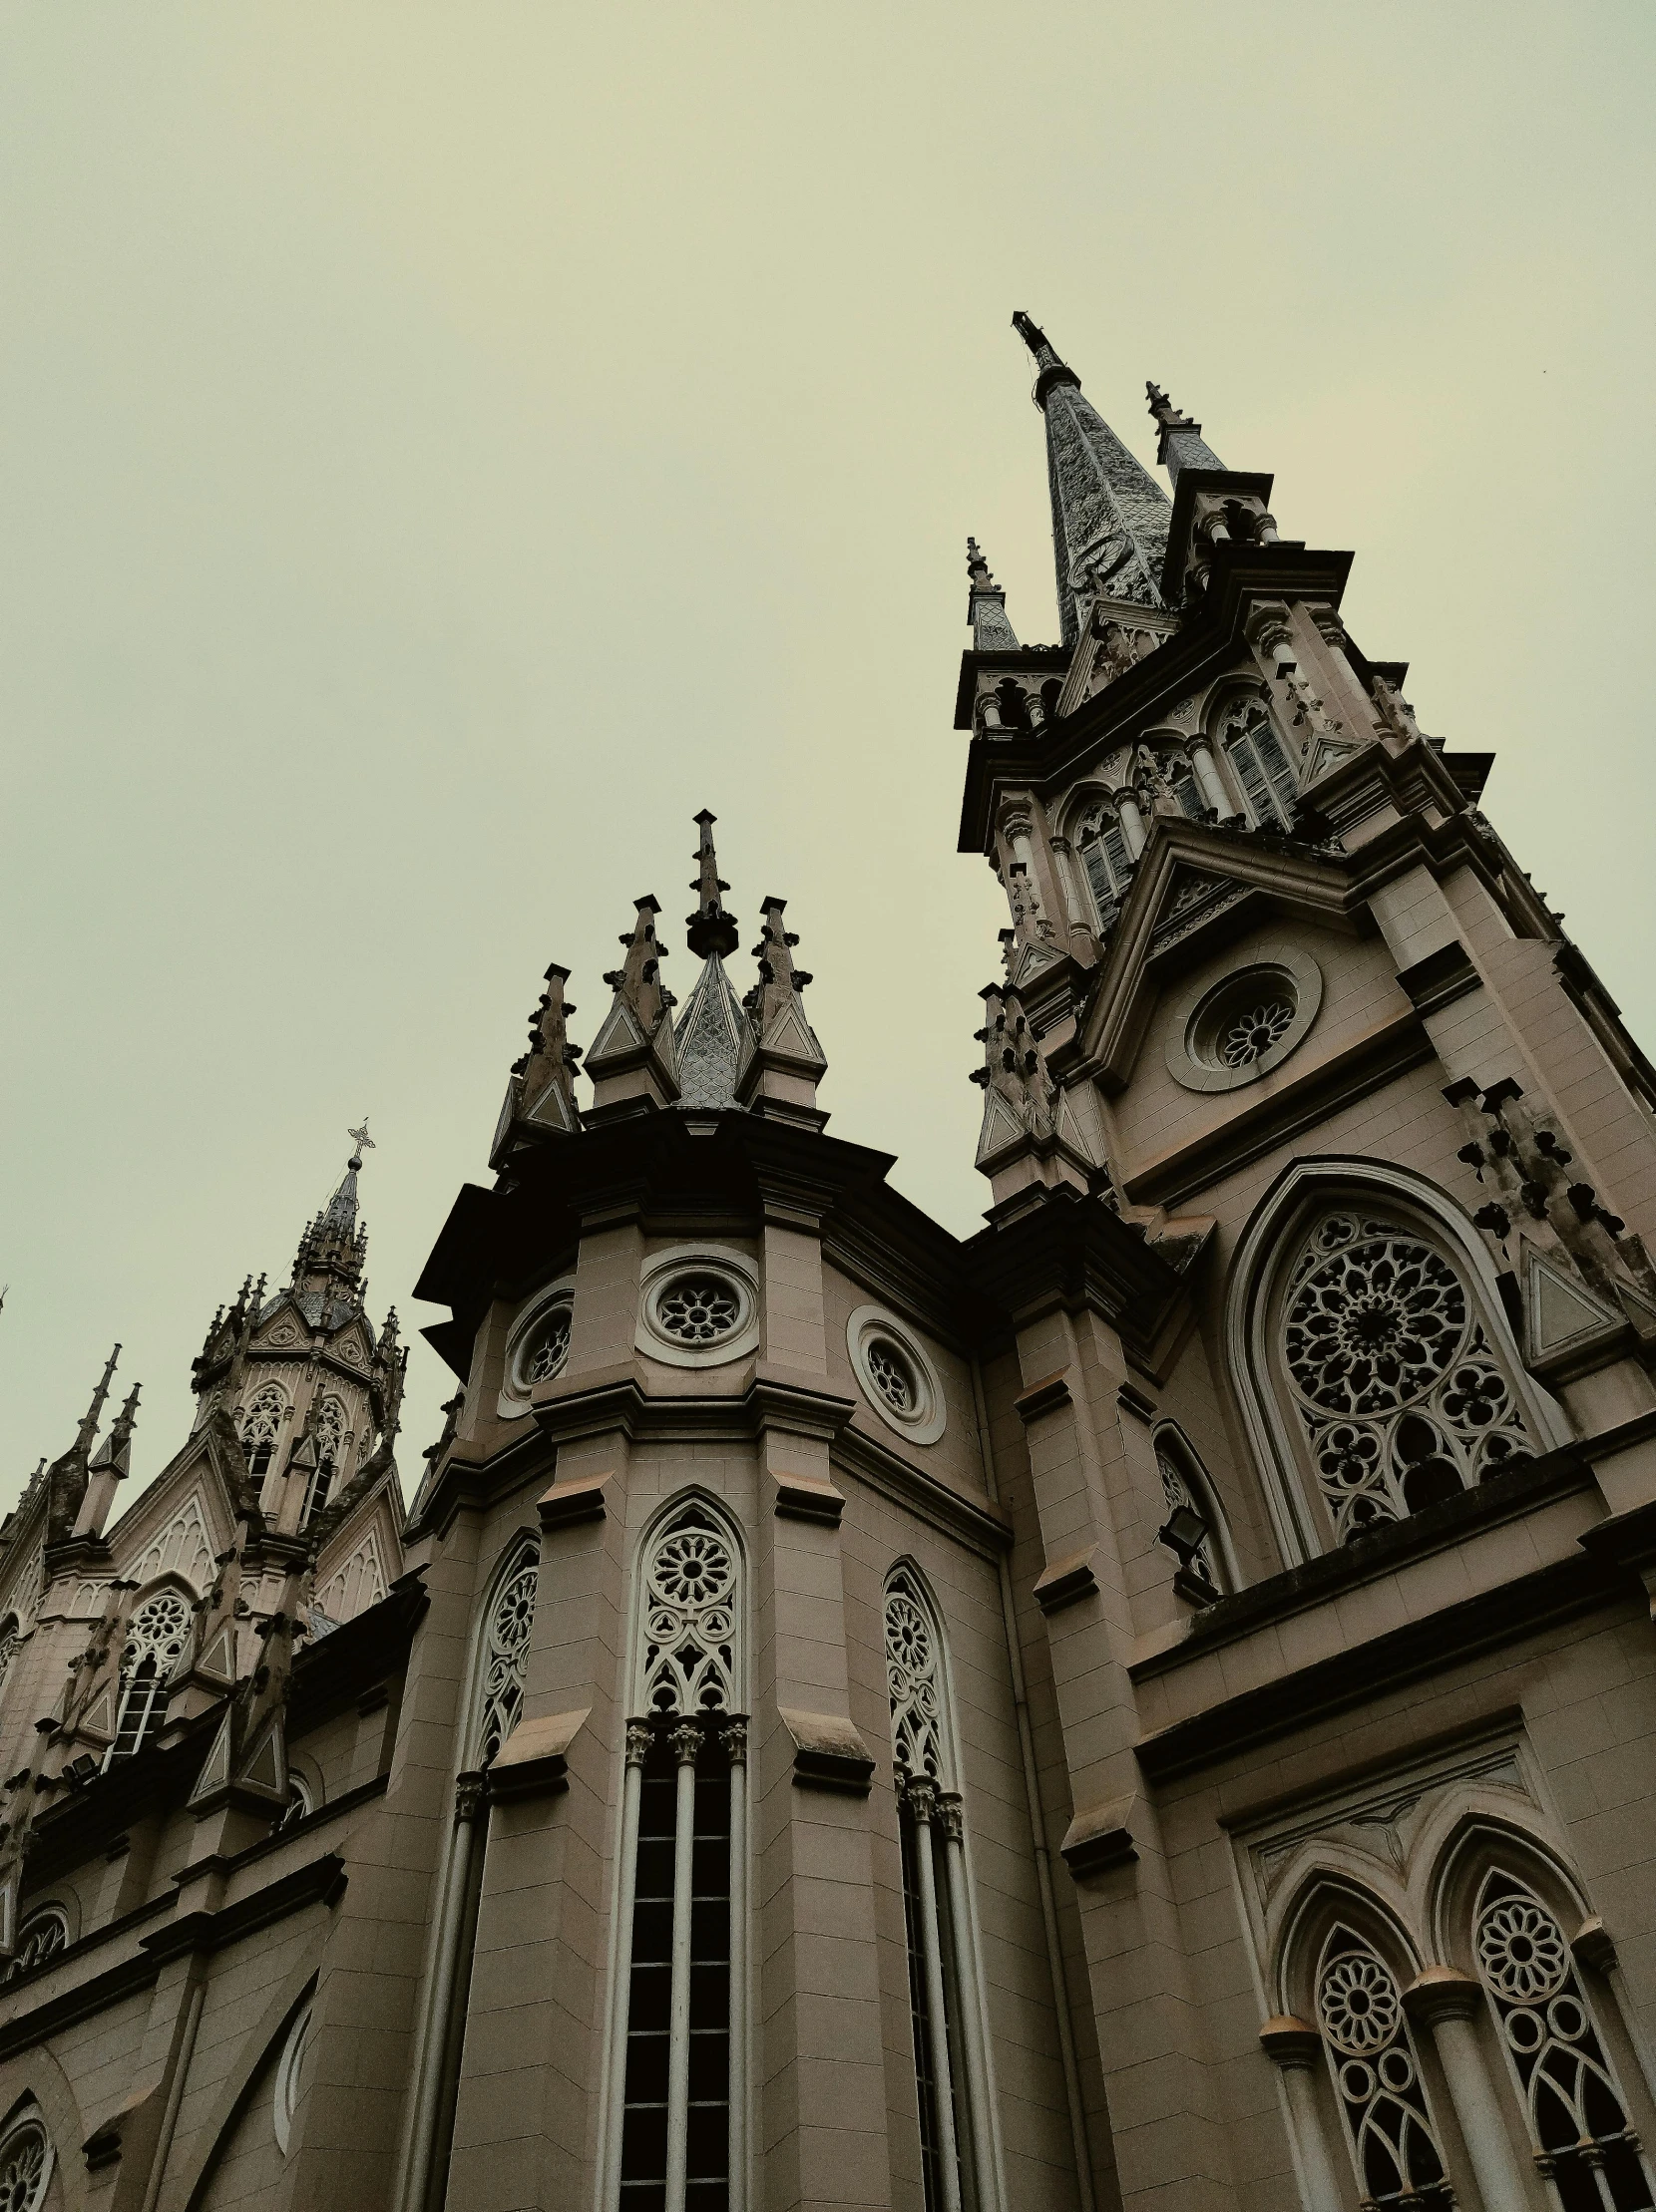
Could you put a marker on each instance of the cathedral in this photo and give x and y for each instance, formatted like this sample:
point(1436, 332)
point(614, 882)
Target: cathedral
point(1148, 1708)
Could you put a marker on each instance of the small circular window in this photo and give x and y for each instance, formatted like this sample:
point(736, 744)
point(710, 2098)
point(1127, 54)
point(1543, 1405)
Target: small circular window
point(891, 1375)
point(698, 1308)
point(548, 1348)
point(538, 1348)
point(896, 1376)
point(1241, 1028)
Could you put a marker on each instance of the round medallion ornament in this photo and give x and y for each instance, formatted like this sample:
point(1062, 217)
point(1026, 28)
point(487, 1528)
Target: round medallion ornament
point(698, 1309)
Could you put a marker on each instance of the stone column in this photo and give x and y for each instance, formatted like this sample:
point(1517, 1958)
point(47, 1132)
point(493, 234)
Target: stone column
point(735, 1750)
point(1212, 789)
point(1446, 2003)
point(1132, 822)
point(920, 1796)
point(974, 2055)
point(1297, 2051)
point(686, 1743)
point(639, 1739)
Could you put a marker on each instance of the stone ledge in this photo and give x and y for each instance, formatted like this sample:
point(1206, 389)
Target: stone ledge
point(567, 1504)
point(533, 1760)
point(828, 1753)
point(1099, 1838)
point(808, 1498)
point(1044, 1396)
point(1067, 1581)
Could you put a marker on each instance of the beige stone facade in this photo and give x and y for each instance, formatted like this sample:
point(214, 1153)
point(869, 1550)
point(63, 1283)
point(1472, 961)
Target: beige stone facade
point(1150, 1706)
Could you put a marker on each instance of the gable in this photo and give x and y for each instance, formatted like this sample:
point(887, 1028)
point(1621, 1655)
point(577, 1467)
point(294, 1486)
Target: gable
point(181, 1544)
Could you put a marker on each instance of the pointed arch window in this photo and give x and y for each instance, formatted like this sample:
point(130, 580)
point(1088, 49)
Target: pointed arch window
point(42, 1936)
point(1399, 1393)
point(8, 1645)
point(25, 2164)
point(1574, 2112)
point(1180, 778)
point(156, 1636)
point(1262, 768)
point(677, 2125)
point(957, 2152)
point(1377, 2077)
point(1107, 858)
point(261, 1425)
point(504, 1653)
point(332, 1436)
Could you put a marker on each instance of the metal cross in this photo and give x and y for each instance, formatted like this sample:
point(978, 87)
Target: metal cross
point(360, 1137)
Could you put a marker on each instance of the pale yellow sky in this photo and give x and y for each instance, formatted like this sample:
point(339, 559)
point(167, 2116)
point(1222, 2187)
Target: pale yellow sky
point(444, 447)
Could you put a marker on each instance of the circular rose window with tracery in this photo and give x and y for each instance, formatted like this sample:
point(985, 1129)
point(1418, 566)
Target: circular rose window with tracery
point(1360, 2005)
point(1521, 1950)
point(1400, 1395)
point(1376, 1325)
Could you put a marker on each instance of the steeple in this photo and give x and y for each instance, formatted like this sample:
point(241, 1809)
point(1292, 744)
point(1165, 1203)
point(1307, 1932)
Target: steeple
point(986, 608)
point(81, 1449)
point(1110, 516)
point(335, 1244)
point(1181, 444)
point(111, 1466)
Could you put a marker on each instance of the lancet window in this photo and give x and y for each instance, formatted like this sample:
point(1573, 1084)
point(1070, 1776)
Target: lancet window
point(1377, 2077)
point(8, 1645)
point(1107, 858)
point(156, 1636)
point(261, 1425)
point(1399, 1391)
point(504, 1653)
point(957, 2153)
point(1574, 2112)
point(42, 1936)
point(678, 2126)
point(1262, 768)
point(331, 1438)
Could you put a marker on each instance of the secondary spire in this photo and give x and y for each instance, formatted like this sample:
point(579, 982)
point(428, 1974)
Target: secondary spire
point(1110, 516)
point(1181, 444)
point(711, 928)
point(986, 608)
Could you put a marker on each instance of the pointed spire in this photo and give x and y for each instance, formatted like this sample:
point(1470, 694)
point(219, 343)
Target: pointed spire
point(1110, 516)
point(548, 1071)
point(116, 1451)
point(632, 1061)
point(986, 608)
point(782, 1061)
point(708, 1040)
point(1179, 443)
point(341, 1208)
point(82, 1446)
point(711, 928)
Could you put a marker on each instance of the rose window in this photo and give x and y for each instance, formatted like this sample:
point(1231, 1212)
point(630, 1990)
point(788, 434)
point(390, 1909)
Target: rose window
point(698, 1309)
point(1402, 1401)
point(1249, 1035)
point(890, 1375)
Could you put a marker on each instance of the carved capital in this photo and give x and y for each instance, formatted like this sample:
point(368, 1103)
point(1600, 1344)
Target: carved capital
point(950, 1818)
point(686, 1740)
point(1440, 1994)
point(920, 1794)
point(639, 1736)
point(469, 1791)
point(734, 1737)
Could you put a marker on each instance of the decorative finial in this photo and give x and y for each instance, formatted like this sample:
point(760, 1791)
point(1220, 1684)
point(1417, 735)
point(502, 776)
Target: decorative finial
point(782, 1061)
point(710, 929)
point(361, 1140)
point(95, 1411)
point(1053, 370)
point(115, 1453)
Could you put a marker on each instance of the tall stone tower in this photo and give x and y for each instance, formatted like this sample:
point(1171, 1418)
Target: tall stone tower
point(1149, 1706)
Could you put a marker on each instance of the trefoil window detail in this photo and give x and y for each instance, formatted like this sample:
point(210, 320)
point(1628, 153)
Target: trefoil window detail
point(678, 2112)
point(1396, 1386)
point(1576, 2119)
point(1376, 2078)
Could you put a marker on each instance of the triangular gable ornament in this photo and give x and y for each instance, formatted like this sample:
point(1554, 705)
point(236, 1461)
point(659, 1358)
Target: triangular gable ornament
point(1560, 1312)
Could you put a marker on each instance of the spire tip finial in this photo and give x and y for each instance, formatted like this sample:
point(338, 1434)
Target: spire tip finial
point(711, 929)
